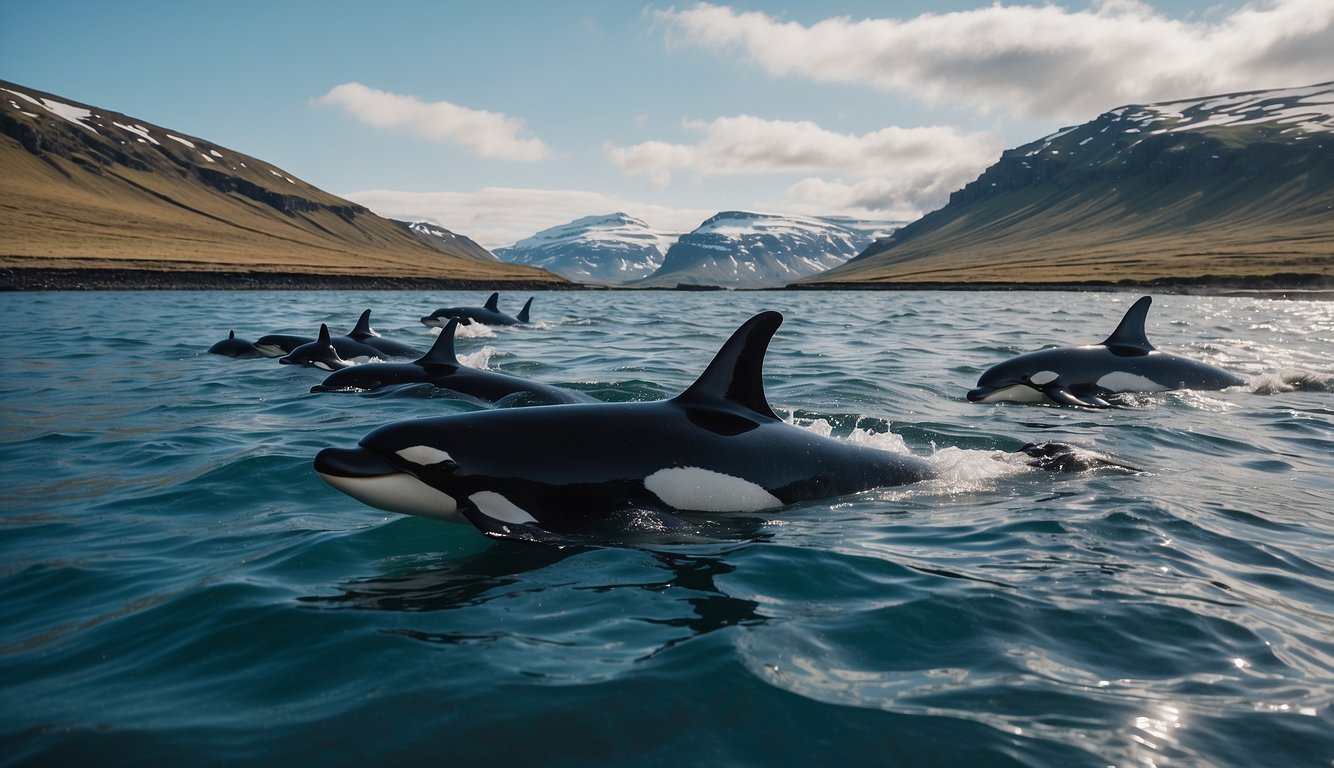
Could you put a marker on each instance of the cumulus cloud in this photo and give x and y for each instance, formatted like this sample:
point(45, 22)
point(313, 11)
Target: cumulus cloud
point(748, 145)
point(501, 216)
point(1038, 61)
point(489, 134)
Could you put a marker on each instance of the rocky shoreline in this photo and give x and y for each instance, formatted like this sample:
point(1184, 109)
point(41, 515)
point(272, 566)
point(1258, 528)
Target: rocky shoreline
point(1295, 286)
point(57, 279)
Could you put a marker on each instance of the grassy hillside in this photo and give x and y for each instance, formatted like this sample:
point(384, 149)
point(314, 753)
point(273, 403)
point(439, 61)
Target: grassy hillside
point(89, 188)
point(1140, 194)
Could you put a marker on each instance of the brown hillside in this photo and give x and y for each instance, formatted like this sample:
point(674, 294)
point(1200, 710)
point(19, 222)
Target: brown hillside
point(88, 188)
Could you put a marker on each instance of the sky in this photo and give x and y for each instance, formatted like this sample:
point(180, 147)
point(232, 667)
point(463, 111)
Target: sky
point(498, 119)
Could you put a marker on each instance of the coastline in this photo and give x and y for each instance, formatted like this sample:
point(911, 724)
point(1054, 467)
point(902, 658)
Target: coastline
point(1315, 287)
point(92, 279)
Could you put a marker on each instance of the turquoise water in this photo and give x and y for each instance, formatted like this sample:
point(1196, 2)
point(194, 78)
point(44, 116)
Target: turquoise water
point(179, 587)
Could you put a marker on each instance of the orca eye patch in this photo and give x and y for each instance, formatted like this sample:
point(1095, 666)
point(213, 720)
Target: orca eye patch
point(425, 455)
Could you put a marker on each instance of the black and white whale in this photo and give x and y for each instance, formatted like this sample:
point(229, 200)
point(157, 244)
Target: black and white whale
point(320, 353)
point(365, 334)
point(234, 347)
point(441, 368)
point(1087, 376)
point(489, 314)
point(359, 345)
point(279, 344)
point(532, 472)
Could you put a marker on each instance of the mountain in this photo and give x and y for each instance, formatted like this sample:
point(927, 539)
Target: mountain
point(738, 249)
point(613, 249)
point(88, 188)
point(1233, 186)
point(449, 242)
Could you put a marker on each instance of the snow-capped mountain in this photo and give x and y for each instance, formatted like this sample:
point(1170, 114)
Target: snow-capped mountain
point(1234, 185)
point(740, 249)
point(450, 242)
point(614, 249)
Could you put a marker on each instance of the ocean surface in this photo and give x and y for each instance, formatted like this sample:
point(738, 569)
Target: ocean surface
point(177, 585)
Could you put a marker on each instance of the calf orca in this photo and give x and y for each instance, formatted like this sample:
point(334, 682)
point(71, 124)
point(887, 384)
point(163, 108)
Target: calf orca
point(532, 473)
point(234, 347)
point(1086, 376)
point(486, 315)
point(441, 368)
point(364, 333)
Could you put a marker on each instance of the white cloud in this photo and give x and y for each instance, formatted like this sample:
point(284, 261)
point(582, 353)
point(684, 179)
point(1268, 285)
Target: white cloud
point(1038, 61)
point(489, 134)
point(500, 216)
point(748, 145)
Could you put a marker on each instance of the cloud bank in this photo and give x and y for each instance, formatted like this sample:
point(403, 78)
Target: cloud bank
point(747, 145)
point(488, 134)
point(1037, 61)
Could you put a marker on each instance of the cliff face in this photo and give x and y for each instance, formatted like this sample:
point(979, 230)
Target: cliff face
point(87, 187)
point(1241, 184)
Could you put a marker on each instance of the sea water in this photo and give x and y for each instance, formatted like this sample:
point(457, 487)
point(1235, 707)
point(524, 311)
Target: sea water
point(179, 587)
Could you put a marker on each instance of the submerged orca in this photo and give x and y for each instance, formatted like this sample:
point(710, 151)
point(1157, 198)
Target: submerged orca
point(364, 333)
point(234, 347)
point(441, 368)
point(486, 315)
point(1086, 376)
point(531, 472)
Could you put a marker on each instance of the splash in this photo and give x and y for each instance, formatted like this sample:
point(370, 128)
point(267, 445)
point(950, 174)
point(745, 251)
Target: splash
point(1290, 380)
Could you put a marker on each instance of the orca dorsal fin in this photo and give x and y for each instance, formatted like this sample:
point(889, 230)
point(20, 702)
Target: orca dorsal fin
point(363, 329)
point(523, 313)
point(442, 351)
point(1129, 336)
point(493, 303)
point(231, 334)
point(324, 339)
point(736, 373)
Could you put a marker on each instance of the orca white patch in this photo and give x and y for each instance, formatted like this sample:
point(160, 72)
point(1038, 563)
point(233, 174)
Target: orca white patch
point(703, 490)
point(424, 455)
point(497, 507)
point(399, 492)
point(1016, 393)
point(1120, 381)
point(1042, 378)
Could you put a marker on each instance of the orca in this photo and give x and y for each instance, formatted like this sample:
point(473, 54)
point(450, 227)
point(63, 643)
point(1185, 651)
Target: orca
point(441, 368)
point(489, 314)
point(1087, 376)
point(531, 473)
point(279, 344)
point(364, 333)
point(234, 347)
point(320, 353)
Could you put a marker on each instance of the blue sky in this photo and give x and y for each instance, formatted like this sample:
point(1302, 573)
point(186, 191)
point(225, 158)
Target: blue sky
point(497, 119)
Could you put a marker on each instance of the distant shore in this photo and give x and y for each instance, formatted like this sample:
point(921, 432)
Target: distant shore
point(56, 279)
point(1294, 286)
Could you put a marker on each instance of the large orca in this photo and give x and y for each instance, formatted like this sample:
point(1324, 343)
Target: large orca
point(486, 315)
point(1086, 376)
point(441, 368)
point(533, 472)
point(364, 333)
point(234, 347)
